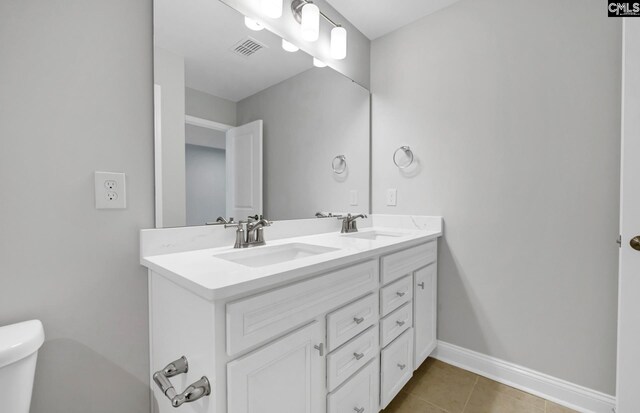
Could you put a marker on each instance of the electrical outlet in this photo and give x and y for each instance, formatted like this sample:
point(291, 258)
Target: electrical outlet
point(353, 197)
point(110, 190)
point(392, 197)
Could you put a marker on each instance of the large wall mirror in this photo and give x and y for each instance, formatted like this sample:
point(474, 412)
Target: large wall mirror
point(244, 127)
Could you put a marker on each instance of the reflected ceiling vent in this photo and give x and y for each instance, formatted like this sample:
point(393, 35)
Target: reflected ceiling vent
point(247, 47)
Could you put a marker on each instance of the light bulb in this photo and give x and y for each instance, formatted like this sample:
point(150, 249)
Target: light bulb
point(319, 63)
point(310, 22)
point(272, 8)
point(252, 24)
point(339, 43)
point(289, 47)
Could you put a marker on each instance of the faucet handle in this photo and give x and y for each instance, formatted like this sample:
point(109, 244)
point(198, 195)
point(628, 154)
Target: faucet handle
point(235, 224)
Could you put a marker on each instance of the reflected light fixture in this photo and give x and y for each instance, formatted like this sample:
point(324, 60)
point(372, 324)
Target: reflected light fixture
point(310, 23)
point(289, 47)
point(339, 42)
point(252, 24)
point(272, 8)
point(319, 63)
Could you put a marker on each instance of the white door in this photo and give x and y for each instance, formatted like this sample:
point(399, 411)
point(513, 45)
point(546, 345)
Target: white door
point(628, 383)
point(425, 296)
point(244, 170)
point(285, 376)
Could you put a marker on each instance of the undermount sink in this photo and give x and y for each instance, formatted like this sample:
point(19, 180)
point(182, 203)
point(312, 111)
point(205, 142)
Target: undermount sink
point(374, 235)
point(263, 256)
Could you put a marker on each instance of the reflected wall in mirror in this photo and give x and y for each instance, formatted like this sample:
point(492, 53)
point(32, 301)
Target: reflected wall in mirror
point(244, 127)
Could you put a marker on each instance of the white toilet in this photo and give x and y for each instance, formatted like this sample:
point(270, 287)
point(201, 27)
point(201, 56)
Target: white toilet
point(19, 344)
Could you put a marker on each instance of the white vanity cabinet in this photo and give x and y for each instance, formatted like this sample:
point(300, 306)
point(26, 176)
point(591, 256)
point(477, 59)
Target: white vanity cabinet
point(344, 340)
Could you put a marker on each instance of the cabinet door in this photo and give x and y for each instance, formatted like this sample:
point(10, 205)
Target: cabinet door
point(395, 366)
point(425, 290)
point(284, 376)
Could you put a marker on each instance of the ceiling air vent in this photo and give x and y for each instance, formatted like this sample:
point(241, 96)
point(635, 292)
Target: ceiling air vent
point(247, 46)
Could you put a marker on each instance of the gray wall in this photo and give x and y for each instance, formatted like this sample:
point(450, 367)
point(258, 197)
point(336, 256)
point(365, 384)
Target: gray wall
point(308, 120)
point(206, 106)
point(169, 74)
point(513, 109)
point(76, 96)
point(206, 184)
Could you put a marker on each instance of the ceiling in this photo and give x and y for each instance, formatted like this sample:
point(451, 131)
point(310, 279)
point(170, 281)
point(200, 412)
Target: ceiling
point(375, 18)
point(204, 32)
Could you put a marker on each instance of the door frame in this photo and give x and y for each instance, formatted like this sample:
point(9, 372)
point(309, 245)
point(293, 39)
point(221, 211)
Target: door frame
point(157, 140)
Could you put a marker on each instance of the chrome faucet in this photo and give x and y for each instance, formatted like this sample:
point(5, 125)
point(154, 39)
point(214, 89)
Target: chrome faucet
point(250, 233)
point(349, 223)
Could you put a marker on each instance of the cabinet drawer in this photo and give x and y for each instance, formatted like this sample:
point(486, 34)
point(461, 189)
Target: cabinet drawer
point(394, 295)
point(349, 321)
point(348, 359)
point(406, 261)
point(396, 366)
point(395, 323)
point(253, 320)
point(359, 394)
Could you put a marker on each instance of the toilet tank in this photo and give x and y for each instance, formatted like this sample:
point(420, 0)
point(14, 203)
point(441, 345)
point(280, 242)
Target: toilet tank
point(19, 344)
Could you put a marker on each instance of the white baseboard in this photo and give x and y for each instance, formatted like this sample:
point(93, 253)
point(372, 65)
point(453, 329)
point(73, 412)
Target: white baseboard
point(556, 390)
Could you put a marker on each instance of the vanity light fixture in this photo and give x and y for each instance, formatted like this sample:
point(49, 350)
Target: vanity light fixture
point(319, 63)
point(252, 24)
point(272, 8)
point(338, 42)
point(289, 47)
point(310, 22)
point(308, 15)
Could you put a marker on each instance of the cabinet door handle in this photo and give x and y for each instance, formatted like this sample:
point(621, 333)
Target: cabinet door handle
point(400, 323)
point(401, 294)
point(320, 348)
point(421, 285)
point(358, 320)
point(402, 366)
point(359, 409)
point(358, 356)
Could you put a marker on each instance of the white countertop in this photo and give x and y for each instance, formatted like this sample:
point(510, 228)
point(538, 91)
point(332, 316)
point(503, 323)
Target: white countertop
point(201, 272)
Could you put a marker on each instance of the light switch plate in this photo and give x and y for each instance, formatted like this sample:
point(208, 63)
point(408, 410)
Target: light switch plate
point(353, 197)
point(392, 197)
point(110, 190)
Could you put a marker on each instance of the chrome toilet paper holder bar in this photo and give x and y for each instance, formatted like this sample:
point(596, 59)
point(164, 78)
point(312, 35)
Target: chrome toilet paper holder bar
point(194, 392)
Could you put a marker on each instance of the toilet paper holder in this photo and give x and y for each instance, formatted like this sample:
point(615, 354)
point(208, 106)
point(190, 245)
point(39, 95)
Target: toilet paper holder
point(195, 391)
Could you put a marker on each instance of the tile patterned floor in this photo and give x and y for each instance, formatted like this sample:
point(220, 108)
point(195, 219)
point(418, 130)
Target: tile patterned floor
point(437, 387)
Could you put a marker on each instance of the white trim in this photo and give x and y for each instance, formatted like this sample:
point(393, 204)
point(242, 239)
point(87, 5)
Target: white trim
point(551, 388)
point(157, 150)
point(205, 123)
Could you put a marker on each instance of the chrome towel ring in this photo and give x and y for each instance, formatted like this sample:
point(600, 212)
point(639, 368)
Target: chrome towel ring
point(340, 166)
point(408, 153)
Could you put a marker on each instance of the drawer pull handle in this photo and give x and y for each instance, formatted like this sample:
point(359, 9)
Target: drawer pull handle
point(358, 356)
point(358, 320)
point(400, 323)
point(401, 294)
point(359, 410)
point(421, 285)
point(320, 348)
point(402, 366)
